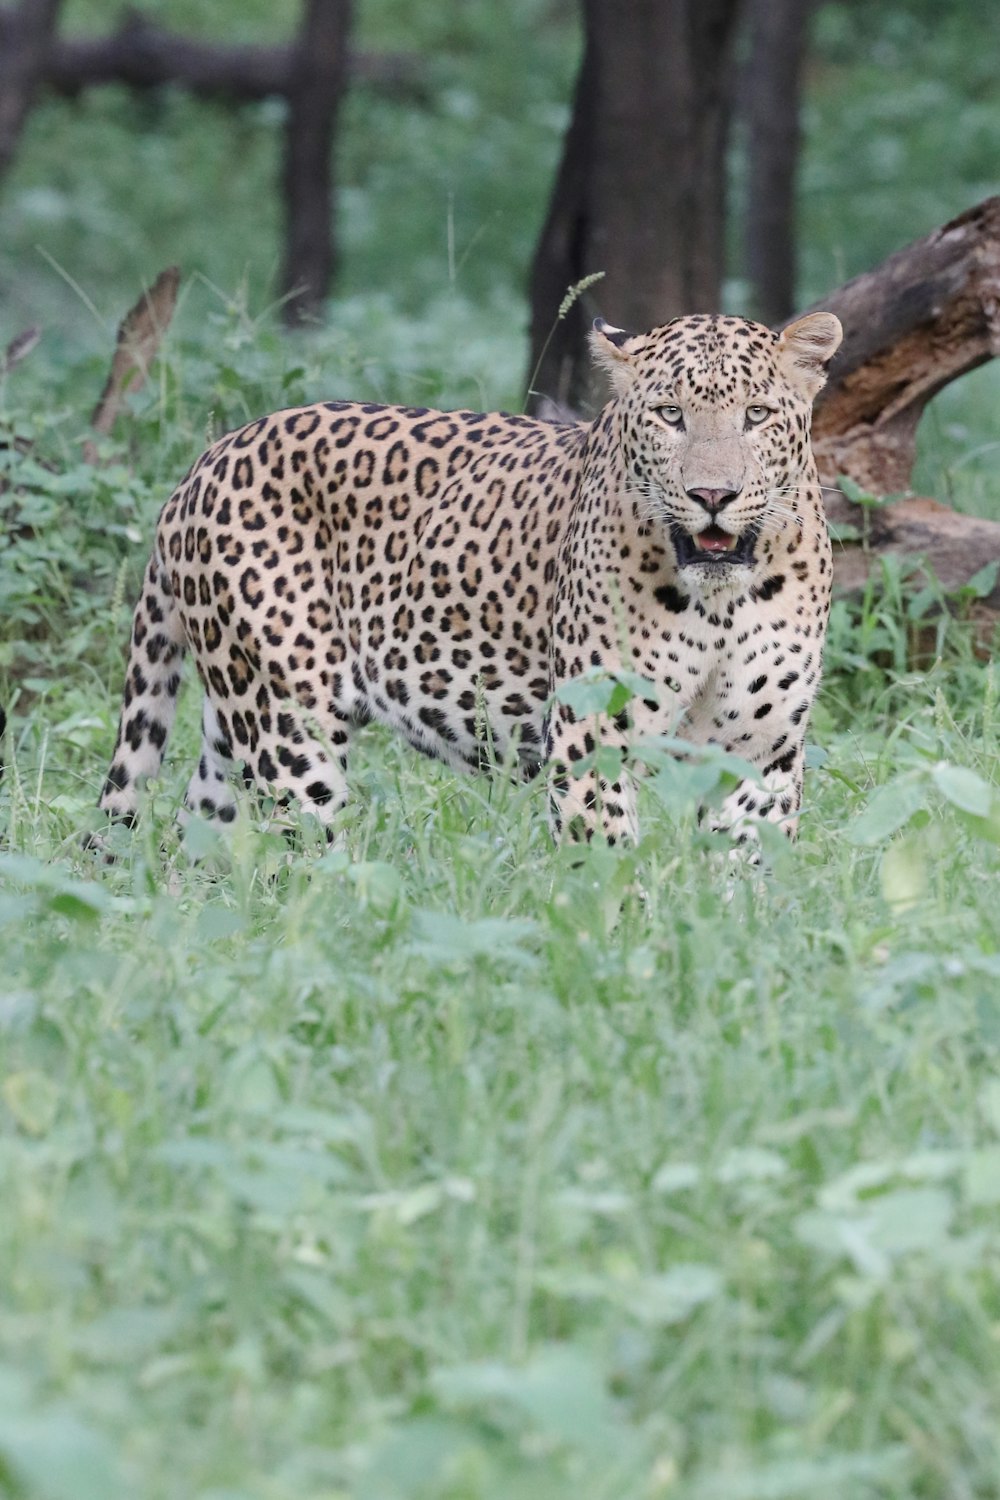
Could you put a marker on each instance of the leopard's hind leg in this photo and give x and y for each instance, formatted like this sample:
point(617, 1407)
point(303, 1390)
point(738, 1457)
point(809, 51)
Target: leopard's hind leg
point(152, 680)
point(209, 792)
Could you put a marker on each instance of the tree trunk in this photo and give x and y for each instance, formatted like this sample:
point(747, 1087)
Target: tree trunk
point(640, 190)
point(25, 36)
point(771, 95)
point(318, 76)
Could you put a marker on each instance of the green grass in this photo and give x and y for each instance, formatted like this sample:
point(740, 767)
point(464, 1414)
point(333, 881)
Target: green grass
point(443, 1165)
point(434, 1166)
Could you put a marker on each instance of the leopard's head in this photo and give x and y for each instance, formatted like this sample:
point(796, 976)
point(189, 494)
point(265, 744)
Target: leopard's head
point(713, 421)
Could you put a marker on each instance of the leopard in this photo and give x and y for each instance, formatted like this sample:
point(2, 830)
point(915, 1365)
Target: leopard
point(445, 573)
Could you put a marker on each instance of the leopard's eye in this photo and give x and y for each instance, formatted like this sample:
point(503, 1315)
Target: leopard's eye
point(672, 415)
point(757, 414)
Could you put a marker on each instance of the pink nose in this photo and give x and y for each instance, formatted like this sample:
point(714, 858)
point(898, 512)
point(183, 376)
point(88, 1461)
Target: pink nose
point(713, 500)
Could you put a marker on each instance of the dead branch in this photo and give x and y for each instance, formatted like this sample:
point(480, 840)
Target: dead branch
point(925, 316)
point(139, 336)
point(19, 348)
point(143, 55)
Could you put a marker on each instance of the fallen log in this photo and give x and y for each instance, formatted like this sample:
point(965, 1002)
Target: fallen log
point(141, 55)
point(929, 540)
point(925, 316)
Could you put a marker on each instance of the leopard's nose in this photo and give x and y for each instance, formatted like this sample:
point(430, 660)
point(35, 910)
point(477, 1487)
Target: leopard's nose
point(713, 500)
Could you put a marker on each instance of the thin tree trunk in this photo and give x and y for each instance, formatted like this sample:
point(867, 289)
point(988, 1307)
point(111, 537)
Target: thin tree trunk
point(560, 254)
point(640, 192)
point(772, 87)
point(25, 37)
point(318, 76)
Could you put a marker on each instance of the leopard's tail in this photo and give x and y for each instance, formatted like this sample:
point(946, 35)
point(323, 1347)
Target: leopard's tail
point(150, 700)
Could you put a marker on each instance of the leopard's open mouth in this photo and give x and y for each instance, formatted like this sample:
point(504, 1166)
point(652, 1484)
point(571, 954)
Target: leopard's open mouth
point(713, 547)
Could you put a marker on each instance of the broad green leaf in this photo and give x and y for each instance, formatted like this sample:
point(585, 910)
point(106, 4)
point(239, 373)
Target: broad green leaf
point(832, 1477)
point(638, 686)
point(844, 1191)
point(443, 939)
point(201, 838)
point(680, 785)
point(416, 1203)
point(590, 693)
point(560, 1391)
point(32, 1099)
point(216, 923)
point(661, 1301)
point(835, 1236)
point(843, 531)
point(79, 901)
point(981, 1178)
point(599, 691)
point(14, 908)
point(963, 789)
point(676, 1176)
point(607, 760)
point(604, 1202)
point(931, 1165)
point(903, 872)
point(854, 492)
point(57, 1457)
point(125, 1334)
point(910, 1219)
point(378, 886)
point(319, 1292)
point(891, 807)
point(989, 1102)
point(620, 698)
point(194, 1151)
point(750, 1164)
point(251, 1085)
point(982, 582)
point(414, 1458)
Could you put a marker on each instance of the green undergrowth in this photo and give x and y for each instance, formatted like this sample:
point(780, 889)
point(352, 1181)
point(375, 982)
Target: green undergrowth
point(440, 1164)
point(444, 1165)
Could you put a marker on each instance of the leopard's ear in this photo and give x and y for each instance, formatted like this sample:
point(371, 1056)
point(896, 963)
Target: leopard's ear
point(804, 350)
point(610, 349)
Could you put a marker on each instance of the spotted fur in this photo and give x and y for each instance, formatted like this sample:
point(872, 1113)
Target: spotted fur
point(444, 572)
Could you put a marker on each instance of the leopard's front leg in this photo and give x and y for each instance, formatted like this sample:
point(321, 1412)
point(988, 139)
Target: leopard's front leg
point(592, 790)
point(776, 798)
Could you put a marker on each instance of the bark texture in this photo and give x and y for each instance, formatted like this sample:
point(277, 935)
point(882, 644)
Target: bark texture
point(925, 316)
point(771, 90)
point(319, 72)
point(25, 38)
point(640, 190)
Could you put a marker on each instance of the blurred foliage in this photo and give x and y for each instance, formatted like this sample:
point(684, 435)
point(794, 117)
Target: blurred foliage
point(443, 1164)
point(441, 198)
